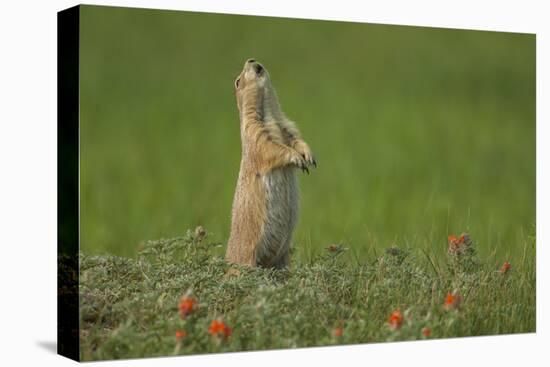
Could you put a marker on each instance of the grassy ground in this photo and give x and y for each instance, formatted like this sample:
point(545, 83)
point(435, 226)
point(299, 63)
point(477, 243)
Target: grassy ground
point(131, 307)
point(419, 132)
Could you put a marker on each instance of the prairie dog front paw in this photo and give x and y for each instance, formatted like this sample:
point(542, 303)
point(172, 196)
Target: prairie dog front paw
point(299, 161)
point(305, 151)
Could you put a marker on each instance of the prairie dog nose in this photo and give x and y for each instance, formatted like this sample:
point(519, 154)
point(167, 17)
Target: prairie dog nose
point(249, 61)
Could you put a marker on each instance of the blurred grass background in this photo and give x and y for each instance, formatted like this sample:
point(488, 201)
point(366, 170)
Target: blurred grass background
point(419, 132)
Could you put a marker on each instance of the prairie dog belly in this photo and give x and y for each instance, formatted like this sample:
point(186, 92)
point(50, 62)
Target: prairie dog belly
point(281, 193)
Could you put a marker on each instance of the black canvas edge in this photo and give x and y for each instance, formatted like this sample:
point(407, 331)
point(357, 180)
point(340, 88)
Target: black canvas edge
point(68, 238)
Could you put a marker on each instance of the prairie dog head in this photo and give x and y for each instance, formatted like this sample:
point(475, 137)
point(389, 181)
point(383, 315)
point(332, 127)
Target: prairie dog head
point(255, 93)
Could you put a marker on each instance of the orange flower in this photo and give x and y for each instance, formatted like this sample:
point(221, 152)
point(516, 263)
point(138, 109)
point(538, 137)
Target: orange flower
point(426, 331)
point(219, 328)
point(456, 241)
point(180, 334)
point(452, 301)
point(396, 319)
point(186, 306)
point(453, 244)
point(505, 267)
point(332, 248)
point(338, 332)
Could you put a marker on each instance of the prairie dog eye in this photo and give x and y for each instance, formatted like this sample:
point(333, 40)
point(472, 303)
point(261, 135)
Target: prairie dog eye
point(237, 82)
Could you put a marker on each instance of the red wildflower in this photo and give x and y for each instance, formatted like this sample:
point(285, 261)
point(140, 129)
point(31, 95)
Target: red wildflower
point(458, 244)
point(505, 267)
point(426, 331)
point(452, 301)
point(219, 328)
point(456, 241)
point(338, 332)
point(332, 248)
point(186, 306)
point(180, 334)
point(396, 319)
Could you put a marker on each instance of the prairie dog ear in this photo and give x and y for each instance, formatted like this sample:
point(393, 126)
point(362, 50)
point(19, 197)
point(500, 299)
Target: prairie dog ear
point(237, 82)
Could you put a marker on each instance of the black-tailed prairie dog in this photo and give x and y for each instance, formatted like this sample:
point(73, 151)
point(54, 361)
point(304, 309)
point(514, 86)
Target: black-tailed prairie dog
point(265, 206)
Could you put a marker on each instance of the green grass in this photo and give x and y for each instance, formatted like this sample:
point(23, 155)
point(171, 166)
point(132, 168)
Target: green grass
point(419, 132)
point(129, 306)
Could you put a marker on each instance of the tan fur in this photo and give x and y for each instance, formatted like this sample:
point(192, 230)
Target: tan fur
point(265, 206)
